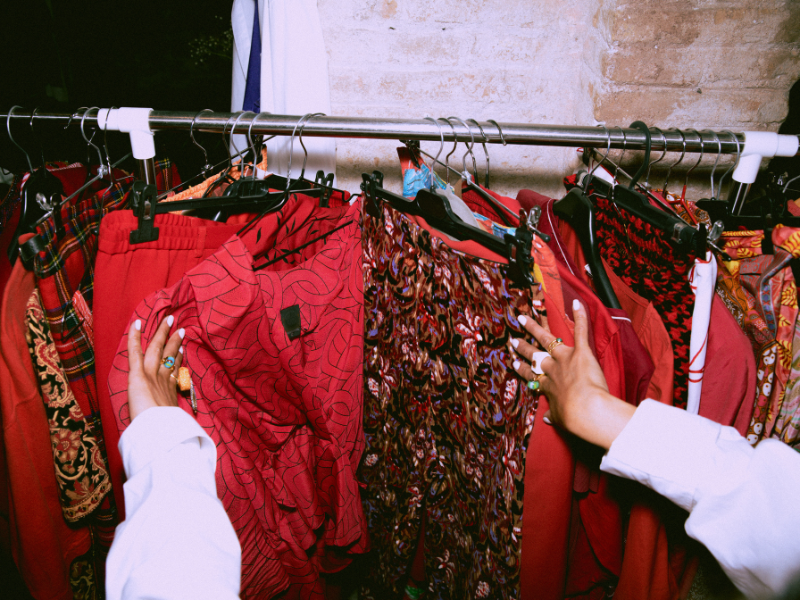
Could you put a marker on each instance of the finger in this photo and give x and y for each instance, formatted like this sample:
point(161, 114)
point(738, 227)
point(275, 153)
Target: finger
point(581, 324)
point(171, 349)
point(155, 349)
point(135, 355)
point(537, 358)
point(539, 333)
point(524, 369)
point(547, 418)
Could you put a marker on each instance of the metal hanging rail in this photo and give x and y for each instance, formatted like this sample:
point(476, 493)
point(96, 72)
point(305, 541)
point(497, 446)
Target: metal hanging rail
point(724, 142)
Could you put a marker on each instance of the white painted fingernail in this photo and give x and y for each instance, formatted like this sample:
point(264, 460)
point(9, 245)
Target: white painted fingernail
point(514, 342)
point(479, 337)
point(546, 420)
point(170, 320)
point(576, 304)
point(180, 349)
point(138, 324)
point(522, 320)
point(181, 332)
point(516, 364)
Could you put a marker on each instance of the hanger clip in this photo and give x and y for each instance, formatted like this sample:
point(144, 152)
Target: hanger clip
point(143, 200)
point(519, 252)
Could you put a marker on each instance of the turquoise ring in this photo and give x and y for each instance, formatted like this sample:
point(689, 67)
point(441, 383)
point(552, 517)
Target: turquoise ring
point(168, 362)
point(534, 385)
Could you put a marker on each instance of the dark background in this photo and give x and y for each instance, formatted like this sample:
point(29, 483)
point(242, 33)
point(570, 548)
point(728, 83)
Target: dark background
point(64, 54)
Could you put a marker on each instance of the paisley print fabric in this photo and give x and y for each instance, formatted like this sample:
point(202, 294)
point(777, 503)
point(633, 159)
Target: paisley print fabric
point(446, 420)
point(81, 472)
point(787, 425)
point(643, 257)
point(81, 475)
point(763, 293)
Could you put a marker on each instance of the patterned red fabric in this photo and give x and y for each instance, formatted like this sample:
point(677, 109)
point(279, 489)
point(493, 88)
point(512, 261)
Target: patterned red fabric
point(643, 257)
point(446, 420)
point(284, 411)
point(44, 546)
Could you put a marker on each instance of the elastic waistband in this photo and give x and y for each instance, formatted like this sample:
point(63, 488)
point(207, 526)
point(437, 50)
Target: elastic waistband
point(175, 232)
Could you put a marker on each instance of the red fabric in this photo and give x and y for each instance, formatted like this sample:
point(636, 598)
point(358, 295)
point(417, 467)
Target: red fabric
point(125, 274)
point(285, 413)
point(729, 382)
point(43, 545)
point(594, 557)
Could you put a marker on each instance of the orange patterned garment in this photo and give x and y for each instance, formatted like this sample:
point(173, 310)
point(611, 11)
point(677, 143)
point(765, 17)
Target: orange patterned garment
point(761, 292)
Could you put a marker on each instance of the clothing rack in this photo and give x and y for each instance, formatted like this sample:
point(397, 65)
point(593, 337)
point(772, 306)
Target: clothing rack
point(141, 123)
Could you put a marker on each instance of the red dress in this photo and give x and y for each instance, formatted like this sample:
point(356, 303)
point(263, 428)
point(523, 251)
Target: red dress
point(276, 357)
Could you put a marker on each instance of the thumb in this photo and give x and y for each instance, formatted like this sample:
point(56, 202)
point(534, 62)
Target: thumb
point(581, 325)
point(135, 355)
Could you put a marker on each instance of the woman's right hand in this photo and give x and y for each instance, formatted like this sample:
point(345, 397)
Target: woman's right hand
point(574, 383)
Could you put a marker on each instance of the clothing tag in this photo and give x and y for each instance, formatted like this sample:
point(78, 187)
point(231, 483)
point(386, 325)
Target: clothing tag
point(290, 317)
point(459, 207)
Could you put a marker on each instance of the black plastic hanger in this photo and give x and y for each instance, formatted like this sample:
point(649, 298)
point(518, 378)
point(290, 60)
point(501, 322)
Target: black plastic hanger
point(681, 233)
point(39, 195)
point(577, 210)
point(436, 211)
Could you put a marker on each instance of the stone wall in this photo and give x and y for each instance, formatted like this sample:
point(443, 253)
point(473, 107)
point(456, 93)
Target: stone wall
point(696, 63)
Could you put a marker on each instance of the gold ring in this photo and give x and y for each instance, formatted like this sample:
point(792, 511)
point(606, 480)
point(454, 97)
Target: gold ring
point(553, 345)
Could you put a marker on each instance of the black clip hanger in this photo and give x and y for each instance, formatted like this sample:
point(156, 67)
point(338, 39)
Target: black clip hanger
point(40, 194)
point(577, 210)
point(436, 211)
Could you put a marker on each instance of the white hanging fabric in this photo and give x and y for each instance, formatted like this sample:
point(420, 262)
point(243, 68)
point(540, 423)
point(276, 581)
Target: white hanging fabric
point(294, 75)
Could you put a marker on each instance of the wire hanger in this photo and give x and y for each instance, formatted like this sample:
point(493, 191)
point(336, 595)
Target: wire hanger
point(485, 152)
point(500, 209)
point(660, 158)
point(206, 168)
point(40, 193)
point(672, 166)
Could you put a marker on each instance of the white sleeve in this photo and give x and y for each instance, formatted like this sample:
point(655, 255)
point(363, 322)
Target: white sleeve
point(742, 501)
point(177, 540)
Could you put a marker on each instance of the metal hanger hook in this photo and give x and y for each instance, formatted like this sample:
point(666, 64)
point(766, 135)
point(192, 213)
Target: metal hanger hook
point(207, 165)
point(694, 166)
point(305, 120)
point(441, 143)
point(485, 151)
point(455, 145)
point(499, 129)
point(233, 129)
point(597, 166)
point(89, 140)
point(291, 148)
point(624, 147)
point(736, 162)
point(469, 147)
point(11, 137)
point(672, 166)
point(105, 147)
point(714, 168)
point(36, 136)
point(663, 154)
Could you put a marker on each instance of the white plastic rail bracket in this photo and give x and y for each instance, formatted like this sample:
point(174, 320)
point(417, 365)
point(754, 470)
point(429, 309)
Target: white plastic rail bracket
point(134, 121)
point(758, 145)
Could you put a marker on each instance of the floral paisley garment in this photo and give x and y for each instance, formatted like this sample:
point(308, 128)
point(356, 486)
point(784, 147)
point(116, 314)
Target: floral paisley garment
point(446, 420)
point(762, 292)
point(81, 475)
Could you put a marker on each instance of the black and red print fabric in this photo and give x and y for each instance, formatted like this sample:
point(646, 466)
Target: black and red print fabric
point(643, 257)
point(276, 357)
point(446, 420)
